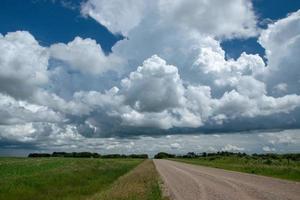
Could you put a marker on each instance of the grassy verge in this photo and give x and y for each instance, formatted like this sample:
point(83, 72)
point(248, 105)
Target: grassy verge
point(59, 178)
point(142, 183)
point(282, 168)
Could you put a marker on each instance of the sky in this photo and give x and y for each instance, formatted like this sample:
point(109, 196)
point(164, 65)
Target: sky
point(125, 76)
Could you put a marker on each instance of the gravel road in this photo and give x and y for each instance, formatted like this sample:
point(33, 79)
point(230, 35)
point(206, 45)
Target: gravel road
point(192, 182)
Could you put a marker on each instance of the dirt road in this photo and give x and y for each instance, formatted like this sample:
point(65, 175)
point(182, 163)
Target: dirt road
point(191, 182)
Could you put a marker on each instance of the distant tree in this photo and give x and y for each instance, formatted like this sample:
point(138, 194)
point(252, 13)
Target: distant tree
point(142, 156)
point(191, 155)
point(162, 155)
point(59, 154)
point(38, 155)
point(87, 155)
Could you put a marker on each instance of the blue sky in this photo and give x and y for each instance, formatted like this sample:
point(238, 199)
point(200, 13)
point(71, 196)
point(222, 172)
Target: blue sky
point(265, 10)
point(122, 72)
point(52, 21)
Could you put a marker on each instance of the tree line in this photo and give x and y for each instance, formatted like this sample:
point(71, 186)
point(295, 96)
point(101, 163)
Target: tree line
point(86, 155)
point(289, 156)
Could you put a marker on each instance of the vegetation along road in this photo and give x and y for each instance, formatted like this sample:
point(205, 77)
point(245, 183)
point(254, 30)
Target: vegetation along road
point(78, 179)
point(190, 182)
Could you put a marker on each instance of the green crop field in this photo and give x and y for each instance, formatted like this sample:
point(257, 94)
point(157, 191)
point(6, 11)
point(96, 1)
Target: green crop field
point(278, 168)
point(67, 178)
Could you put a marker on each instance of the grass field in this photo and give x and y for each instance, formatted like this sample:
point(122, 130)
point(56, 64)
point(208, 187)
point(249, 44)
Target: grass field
point(142, 183)
point(59, 178)
point(278, 168)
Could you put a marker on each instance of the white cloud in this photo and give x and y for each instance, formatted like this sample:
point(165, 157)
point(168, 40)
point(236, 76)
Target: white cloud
point(250, 87)
point(281, 88)
point(153, 87)
point(23, 64)
point(212, 149)
point(230, 147)
point(84, 55)
point(55, 102)
point(19, 132)
point(268, 149)
point(51, 137)
point(281, 41)
point(118, 16)
point(211, 61)
point(40, 134)
point(154, 96)
point(212, 17)
point(280, 138)
point(188, 82)
point(175, 145)
point(199, 101)
point(178, 42)
point(18, 112)
point(194, 15)
point(234, 105)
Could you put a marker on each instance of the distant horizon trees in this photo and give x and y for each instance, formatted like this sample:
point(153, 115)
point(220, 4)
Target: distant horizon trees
point(288, 156)
point(163, 155)
point(86, 155)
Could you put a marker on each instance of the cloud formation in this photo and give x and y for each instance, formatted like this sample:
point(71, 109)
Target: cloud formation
point(281, 41)
point(165, 76)
point(222, 22)
point(116, 15)
point(23, 64)
point(84, 55)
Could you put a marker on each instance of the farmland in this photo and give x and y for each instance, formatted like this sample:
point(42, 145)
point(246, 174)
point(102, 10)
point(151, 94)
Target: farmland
point(74, 178)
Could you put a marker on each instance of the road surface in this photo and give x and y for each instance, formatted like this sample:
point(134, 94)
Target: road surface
point(192, 182)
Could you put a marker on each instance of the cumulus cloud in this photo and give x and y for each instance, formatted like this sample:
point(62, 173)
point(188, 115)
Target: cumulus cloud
point(171, 74)
point(175, 146)
point(117, 15)
point(281, 88)
point(84, 55)
point(55, 102)
point(211, 62)
point(250, 87)
point(41, 134)
point(67, 138)
point(180, 42)
point(23, 64)
point(18, 112)
point(19, 132)
point(154, 96)
point(222, 22)
point(123, 16)
point(281, 41)
point(230, 147)
point(268, 149)
point(154, 86)
point(233, 105)
point(284, 138)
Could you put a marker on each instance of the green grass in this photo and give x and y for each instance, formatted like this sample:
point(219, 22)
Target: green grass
point(59, 178)
point(142, 183)
point(278, 168)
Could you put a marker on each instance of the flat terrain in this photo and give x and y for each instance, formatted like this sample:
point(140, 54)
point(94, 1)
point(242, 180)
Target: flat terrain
point(59, 178)
point(142, 183)
point(278, 168)
point(190, 182)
